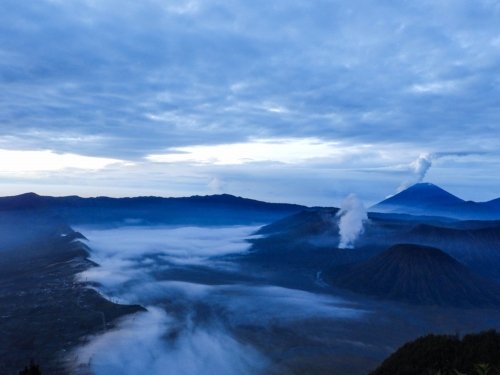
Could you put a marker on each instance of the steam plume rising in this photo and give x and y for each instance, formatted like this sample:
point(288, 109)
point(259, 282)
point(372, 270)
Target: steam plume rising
point(423, 163)
point(352, 218)
point(420, 167)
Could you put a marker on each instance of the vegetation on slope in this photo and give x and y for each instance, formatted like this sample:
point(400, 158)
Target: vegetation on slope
point(442, 354)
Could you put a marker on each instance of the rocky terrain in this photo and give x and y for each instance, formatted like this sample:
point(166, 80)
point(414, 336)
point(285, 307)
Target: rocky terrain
point(44, 312)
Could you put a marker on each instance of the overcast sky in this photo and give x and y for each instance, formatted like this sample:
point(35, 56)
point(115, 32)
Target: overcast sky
point(281, 100)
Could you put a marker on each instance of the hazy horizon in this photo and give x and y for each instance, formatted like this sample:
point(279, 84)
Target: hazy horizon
point(276, 200)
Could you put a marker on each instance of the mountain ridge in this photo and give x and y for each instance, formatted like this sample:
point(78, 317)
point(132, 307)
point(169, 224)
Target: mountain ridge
point(220, 209)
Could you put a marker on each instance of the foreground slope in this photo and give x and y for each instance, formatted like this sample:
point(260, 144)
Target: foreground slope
point(444, 354)
point(44, 312)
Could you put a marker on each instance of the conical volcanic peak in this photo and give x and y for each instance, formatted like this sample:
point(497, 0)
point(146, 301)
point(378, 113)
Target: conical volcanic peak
point(417, 254)
point(419, 275)
point(431, 200)
point(424, 194)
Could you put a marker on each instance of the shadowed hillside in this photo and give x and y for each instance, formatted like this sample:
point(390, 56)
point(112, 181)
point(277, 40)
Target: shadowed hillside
point(44, 313)
point(446, 354)
point(420, 275)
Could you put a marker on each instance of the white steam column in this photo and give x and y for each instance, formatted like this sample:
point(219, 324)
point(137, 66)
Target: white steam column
point(352, 217)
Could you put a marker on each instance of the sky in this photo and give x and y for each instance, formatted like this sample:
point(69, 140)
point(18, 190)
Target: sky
point(300, 101)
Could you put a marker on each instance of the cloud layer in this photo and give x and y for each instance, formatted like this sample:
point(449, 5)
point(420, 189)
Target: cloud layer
point(196, 302)
point(147, 81)
point(196, 350)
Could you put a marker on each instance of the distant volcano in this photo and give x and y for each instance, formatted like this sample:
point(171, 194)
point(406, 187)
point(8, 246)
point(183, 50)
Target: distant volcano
point(419, 275)
point(430, 200)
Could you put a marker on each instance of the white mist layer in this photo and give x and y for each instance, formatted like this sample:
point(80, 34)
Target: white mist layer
point(139, 346)
point(132, 253)
point(187, 329)
point(246, 304)
point(352, 216)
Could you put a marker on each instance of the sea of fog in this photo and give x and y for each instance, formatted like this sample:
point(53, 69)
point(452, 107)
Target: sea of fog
point(196, 298)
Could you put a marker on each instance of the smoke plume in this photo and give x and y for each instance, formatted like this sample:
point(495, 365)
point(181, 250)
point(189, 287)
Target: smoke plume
point(419, 167)
point(423, 163)
point(352, 216)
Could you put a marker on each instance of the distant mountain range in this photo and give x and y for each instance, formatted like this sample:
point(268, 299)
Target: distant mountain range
point(309, 239)
point(221, 209)
point(430, 200)
point(419, 275)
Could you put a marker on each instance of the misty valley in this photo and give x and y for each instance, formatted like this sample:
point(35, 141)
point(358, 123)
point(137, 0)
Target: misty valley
point(235, 187)
point(226, 285)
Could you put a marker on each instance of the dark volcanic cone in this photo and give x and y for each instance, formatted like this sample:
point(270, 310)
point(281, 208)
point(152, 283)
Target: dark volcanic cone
point(419, 275)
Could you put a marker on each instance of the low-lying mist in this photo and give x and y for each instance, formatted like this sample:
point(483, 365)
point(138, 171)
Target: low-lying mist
point(195, 300)
point(155, 343)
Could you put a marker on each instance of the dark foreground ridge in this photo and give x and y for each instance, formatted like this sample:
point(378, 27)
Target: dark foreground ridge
point(420, 275)
point(444, 354)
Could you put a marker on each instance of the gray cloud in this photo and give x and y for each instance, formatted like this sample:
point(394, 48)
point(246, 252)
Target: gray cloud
point(103, 67)
point(127, 79)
